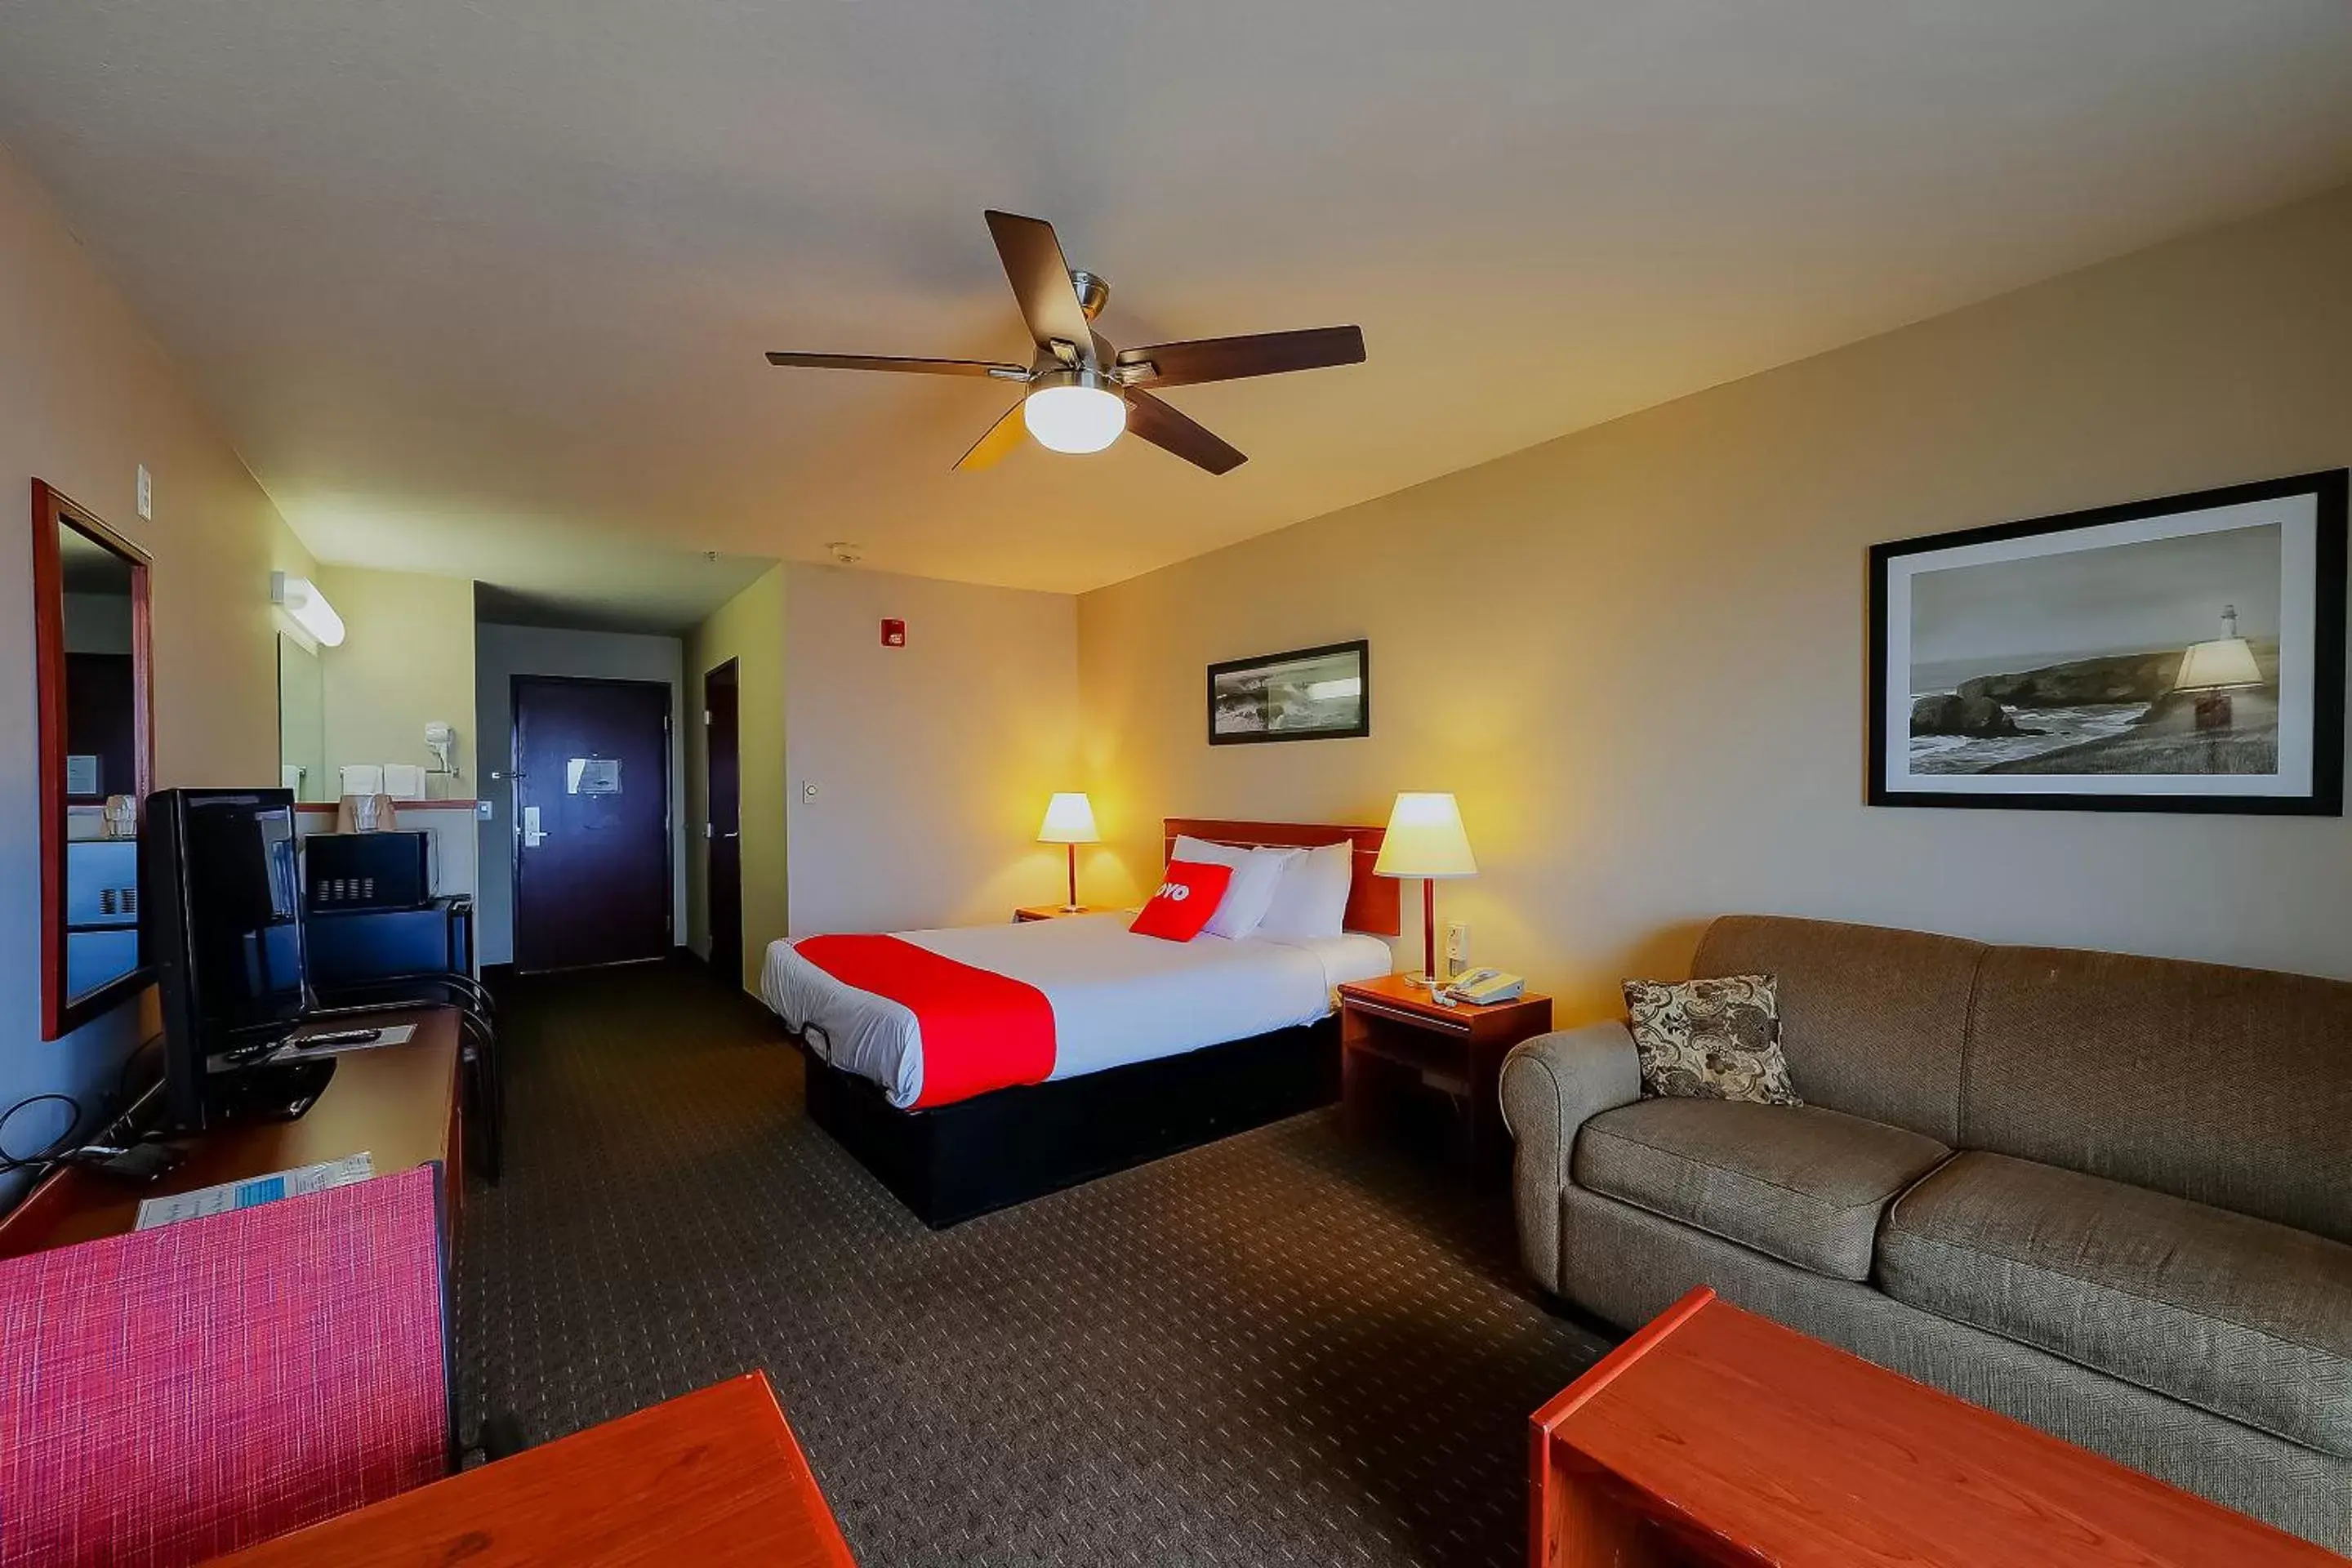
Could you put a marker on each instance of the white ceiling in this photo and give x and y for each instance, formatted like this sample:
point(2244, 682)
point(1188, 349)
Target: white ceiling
point(483, 287)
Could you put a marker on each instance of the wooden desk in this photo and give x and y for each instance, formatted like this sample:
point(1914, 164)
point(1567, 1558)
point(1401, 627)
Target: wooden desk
point(1717, 1436)
point(397, 1102)
point(713, 1479)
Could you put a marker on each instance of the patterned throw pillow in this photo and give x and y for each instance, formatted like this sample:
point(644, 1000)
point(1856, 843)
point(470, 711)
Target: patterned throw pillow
point(1711, 1039)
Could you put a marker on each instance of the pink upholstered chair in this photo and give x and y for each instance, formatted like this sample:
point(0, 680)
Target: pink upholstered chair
point(178, 1392)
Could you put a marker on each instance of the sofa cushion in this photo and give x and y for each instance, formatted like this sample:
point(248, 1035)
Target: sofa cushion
point(2229, 1087)
point(2238, 1316)
point(1804, 1184)
point(1874, 1022)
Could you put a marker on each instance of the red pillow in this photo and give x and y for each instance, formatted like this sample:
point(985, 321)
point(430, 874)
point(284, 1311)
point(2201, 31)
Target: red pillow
point(1185, 902)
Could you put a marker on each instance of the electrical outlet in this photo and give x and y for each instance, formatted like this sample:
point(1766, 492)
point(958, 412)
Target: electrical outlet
point(1457, 942)
point(146, 494)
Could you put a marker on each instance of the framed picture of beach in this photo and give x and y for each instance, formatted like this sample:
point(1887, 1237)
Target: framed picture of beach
point(2185, 654)
point(1307, 694)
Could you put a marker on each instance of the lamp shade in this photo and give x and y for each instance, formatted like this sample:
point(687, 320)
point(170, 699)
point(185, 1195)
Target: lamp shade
point(2217, 665)
point(1068, 411)
point(1425, 839)
point(1069, 819)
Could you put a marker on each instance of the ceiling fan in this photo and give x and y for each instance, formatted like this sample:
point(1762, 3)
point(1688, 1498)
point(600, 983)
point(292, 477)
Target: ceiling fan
point(1080, 393)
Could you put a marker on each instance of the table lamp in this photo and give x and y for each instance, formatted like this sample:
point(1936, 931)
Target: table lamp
point(2211, 670)
point(1070, 822)
point(1425, 840)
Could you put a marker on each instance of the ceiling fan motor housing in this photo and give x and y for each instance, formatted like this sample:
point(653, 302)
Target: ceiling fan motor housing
point(1081, 375)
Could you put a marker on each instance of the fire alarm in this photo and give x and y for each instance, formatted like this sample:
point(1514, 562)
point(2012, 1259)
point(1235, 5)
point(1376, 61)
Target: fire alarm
point(893, 634)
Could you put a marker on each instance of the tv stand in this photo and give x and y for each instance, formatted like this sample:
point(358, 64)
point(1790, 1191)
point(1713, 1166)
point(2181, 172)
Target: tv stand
point(273, 1091)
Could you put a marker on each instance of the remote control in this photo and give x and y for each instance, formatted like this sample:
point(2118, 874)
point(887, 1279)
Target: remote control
point(339, 1038)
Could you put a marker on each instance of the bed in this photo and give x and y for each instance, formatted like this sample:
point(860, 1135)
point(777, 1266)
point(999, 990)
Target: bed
point(1160, 1045)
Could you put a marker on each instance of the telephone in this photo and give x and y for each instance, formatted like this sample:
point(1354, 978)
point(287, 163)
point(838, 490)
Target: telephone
point(1485, 986)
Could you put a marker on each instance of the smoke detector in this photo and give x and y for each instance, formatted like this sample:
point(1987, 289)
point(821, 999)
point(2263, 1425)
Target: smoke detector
point(848, 554)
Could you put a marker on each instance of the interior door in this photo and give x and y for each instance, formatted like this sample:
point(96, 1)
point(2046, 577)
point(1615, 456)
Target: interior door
point(592, 822)
point(725, 827)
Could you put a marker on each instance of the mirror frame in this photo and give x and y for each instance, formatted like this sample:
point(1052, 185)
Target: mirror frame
point(60, 1013)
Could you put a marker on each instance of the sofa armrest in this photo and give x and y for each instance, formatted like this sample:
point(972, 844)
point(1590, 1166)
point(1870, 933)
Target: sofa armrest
point(1551, 1086)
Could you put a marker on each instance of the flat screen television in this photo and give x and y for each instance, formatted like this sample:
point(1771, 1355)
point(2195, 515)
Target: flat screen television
point(223, 892)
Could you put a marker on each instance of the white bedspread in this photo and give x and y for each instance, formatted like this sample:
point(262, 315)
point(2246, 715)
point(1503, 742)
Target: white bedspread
point(1117, 997)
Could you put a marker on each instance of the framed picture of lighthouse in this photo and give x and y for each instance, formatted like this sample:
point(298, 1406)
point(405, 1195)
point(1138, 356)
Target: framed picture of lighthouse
point(2184, 654)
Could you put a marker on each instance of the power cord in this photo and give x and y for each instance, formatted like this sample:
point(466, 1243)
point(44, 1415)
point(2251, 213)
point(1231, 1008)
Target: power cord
point(113, 1142)
point(122, 1095)
point(11, 1163)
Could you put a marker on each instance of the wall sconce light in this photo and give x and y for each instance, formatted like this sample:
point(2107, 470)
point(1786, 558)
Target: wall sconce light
point(300, 599)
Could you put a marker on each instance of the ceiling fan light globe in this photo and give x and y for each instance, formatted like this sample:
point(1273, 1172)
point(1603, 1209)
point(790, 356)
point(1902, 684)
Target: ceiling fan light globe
point(1073, 417)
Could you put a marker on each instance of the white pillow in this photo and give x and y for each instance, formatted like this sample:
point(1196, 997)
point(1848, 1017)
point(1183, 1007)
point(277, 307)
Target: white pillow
point(1256, 874)
point(1311, 899)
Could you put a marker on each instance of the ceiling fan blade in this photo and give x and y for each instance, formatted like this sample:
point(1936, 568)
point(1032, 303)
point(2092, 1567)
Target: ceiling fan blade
point(1040, 279)
point(1232, 359)
point(1165, 429)
point(993, 447)
point(906, 366)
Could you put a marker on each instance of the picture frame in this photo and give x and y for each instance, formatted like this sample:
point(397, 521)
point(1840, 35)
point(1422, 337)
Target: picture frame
point(2180, 654)
point(1322, 693)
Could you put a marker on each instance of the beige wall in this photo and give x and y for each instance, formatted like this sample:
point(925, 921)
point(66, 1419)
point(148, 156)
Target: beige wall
point(1637, 653)
point(407, 659)
point(933, 761)
point(86, 396)
point(749, 629)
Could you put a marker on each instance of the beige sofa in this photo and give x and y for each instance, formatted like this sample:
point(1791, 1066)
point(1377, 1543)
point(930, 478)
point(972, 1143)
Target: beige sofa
point(2108, 1196)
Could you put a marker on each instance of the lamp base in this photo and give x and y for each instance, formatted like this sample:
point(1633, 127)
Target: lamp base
point(1438, 992)
point(1429, 978)
point(1074, 908)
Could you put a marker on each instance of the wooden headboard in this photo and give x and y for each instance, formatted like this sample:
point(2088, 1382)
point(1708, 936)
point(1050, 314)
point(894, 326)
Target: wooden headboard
point(1375, 906)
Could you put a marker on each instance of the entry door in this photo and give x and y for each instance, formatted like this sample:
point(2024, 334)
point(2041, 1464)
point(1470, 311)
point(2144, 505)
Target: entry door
point(592, 822)
point(726, 827)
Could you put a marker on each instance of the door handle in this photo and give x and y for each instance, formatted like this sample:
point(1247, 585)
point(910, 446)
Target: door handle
point(530, 833)
point(735, 835)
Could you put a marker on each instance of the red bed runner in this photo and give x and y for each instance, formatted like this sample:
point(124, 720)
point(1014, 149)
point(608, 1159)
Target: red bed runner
point(981, 1030)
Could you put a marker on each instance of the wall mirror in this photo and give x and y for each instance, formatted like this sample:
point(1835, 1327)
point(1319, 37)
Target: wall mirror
point(302, 722)
point(97, 738)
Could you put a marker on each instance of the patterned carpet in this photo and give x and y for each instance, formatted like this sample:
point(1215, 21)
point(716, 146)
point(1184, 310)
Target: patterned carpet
point(1282, 1348)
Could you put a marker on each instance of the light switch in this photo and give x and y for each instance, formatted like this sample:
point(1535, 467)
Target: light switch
point(146, 494)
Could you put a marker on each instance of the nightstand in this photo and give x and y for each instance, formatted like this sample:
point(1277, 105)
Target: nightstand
point(1028, 912)
point(1391, 1034)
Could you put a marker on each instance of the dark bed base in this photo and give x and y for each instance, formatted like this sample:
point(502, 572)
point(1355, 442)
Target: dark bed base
point(954, 1162)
